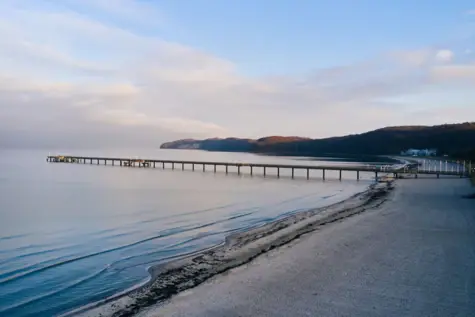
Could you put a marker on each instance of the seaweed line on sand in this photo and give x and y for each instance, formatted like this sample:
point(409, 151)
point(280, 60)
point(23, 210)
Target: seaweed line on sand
point(171, 278)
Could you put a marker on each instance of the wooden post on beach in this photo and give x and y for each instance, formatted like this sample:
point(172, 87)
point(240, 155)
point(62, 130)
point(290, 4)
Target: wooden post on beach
point(340, 174)
point(278, 172)
point(239, 169)
point(358, 175)
point(204, 168)
point(163, 165)
point(376, 175)
point(173, 166)
point(323, 174)
point(182, 166)
point(292, 172)
point(251, 170)
point(308, 173)
point(264, 171)
point(215, 168)
point(226, 169)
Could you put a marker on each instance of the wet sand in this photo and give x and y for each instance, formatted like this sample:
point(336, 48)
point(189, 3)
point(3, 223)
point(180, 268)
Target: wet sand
point(178, 276)
point(411, 256)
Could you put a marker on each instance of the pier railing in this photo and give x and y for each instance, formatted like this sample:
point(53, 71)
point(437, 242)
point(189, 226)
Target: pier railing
point(396, 170)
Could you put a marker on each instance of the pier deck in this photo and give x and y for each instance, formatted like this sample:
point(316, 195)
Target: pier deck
point(396, 171)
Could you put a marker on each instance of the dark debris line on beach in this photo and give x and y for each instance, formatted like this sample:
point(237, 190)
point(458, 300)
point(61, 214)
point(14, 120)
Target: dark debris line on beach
point(175, 277)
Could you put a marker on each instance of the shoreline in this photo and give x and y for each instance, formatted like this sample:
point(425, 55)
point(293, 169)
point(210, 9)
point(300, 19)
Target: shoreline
point(173, 277)
point(411, 256)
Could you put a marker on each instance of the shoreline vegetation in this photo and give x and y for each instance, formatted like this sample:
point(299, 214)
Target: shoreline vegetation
point(454, 140)
point(174, 277)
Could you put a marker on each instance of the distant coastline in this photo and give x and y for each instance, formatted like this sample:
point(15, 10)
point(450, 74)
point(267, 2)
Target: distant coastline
point(454, 140)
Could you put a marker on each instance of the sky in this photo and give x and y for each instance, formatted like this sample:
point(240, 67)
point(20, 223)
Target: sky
point(122, 73)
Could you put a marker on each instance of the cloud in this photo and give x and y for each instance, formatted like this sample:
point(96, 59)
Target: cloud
point(471, 12)
point(102, 82)
point(444, 56)
point(454, 72)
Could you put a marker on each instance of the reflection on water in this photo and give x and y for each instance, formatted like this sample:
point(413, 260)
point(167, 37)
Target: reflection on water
point(74, 234)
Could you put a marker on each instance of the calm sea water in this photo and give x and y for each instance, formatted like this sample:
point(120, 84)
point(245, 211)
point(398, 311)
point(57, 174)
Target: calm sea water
point(74, 234)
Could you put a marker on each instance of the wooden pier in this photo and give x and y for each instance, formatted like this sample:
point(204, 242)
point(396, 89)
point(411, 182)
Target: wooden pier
point(250, 167)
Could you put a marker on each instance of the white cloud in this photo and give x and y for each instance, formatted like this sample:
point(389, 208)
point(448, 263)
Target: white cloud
point(444, 56)
point(454, 72)
point(89, 81)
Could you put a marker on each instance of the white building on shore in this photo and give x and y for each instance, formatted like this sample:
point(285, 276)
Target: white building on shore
point(417, 152)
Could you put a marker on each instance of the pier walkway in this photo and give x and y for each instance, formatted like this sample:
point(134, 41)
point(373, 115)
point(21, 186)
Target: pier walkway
point(395, 170)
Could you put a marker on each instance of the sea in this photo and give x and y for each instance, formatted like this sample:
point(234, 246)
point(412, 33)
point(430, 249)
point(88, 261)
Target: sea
point(75, 234)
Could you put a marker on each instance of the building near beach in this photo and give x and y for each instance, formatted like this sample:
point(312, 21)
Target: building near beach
point(418, 152)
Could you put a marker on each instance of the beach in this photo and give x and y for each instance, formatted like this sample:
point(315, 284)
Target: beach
point(178, 276)
point(411, 256)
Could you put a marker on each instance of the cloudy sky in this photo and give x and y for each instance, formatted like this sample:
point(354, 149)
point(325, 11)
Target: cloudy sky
point(124, 72)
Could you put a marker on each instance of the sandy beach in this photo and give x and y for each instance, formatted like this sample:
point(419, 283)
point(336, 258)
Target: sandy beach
point(238, 249)
point(412, 256)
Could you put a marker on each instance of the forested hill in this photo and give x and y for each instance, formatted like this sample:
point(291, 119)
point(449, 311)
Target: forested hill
point(457, 140)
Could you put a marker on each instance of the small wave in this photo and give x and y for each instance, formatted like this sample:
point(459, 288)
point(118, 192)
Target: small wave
point(57, 291)
point(169, 233)
point(16, 236)
point(194, 212)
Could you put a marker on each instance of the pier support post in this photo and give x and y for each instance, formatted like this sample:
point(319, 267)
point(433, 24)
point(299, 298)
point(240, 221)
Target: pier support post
point(193, 167)
point(264, 171)
point(105, 162)
point(340, 175)
point(97, 161)
point(239, 170)
point(226, 169)
point(120, 163)
point(251, 170)
point(376, 176)
point(112, 162)
point(308, 173)
point(293, 172)
point(278, 172)
point(215, 168)
point(358, 175)
point(163, 165)
point(438, 175)
point(323, 174)
point(204, 168)
point(173, 166)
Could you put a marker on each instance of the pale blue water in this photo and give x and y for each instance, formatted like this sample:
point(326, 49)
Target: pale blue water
point(74, 234)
